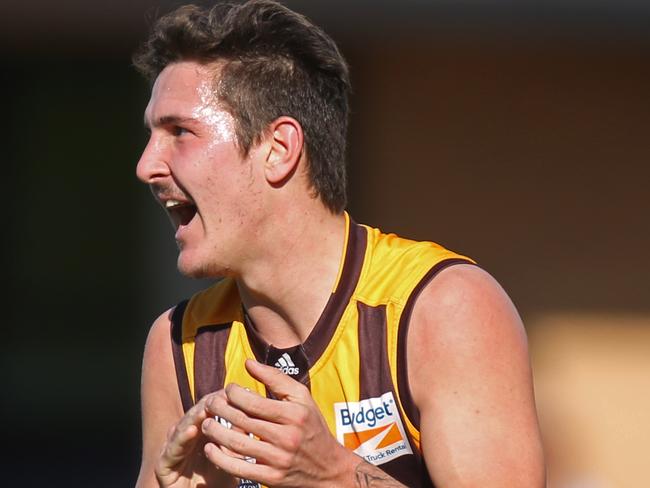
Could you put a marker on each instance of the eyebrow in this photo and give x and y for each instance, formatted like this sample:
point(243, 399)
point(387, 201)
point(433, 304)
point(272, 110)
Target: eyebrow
point(168, 120)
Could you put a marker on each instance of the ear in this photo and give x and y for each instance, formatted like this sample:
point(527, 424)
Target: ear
point(285, 138)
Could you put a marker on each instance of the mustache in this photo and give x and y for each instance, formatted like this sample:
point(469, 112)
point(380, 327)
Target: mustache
point(168, 192)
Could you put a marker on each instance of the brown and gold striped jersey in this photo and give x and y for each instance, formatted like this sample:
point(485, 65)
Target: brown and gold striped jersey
point(354, 360)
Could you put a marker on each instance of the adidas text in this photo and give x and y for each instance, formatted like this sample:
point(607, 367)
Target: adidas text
point(286, 365)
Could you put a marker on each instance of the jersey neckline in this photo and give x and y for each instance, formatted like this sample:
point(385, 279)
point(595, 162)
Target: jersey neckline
point(321, 334)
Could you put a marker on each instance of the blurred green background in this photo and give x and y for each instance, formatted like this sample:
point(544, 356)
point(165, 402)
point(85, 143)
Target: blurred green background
point(514, 132)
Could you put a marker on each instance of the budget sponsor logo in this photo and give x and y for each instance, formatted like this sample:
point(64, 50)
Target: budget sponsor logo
point(372, 428)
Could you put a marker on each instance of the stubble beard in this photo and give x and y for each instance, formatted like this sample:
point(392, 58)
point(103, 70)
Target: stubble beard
point(202, 270)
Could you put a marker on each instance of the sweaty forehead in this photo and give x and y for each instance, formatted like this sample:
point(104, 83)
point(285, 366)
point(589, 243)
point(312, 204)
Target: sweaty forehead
point(180, 88)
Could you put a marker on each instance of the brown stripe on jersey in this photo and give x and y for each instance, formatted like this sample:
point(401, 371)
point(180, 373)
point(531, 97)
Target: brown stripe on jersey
point(209, 365)
point(374, 372)
point(177, 353)
point(402, 367)
point(375, 380)
point(258, 345)
point(324, 329)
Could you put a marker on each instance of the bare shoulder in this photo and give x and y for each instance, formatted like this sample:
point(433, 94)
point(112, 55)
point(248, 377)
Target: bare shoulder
point(464, 306)
point(470, 377)
point(159, 341)
point(161, 404)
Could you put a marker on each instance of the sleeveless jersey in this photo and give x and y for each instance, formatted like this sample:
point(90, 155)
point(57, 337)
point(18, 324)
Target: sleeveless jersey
point(354, 360)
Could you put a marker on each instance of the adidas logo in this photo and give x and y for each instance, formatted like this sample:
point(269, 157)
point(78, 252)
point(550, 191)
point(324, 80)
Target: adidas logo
point(372, 428)
point(286, 365)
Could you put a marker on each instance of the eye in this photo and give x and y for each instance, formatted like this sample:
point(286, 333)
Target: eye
point(178, 131)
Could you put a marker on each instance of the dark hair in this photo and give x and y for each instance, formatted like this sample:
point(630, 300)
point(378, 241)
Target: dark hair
point(275, 62)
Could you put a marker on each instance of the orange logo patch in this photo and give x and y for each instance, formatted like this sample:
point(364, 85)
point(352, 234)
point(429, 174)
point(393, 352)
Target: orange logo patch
point(372, 428)
point(352, 440)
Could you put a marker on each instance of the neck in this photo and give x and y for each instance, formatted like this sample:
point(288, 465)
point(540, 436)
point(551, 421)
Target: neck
point(286, 290)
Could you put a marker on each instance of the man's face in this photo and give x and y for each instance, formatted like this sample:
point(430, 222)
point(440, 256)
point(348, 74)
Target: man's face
point(196, 171)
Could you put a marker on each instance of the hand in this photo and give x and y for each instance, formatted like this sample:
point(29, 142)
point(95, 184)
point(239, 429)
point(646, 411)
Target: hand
point(292, 445)
point(182, 462)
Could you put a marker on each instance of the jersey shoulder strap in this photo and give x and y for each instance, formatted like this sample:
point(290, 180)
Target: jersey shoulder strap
point(199, 334)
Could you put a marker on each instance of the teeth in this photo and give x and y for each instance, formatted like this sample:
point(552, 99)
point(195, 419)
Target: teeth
point(172, 203)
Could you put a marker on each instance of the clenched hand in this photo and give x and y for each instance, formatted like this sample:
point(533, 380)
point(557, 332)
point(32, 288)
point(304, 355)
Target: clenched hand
point(292, 445)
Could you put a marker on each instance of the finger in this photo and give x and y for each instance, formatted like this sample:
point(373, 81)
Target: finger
point(209, 432)
point(182, 438)
point(266, 409)
point(177, 449)
point(239, 419)
point(239, 467)
point(196, 414)
point(243, 445)
point(282, 385)
point(175, 452)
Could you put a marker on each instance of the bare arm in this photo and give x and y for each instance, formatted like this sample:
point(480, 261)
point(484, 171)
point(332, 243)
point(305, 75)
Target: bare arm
point(161, 405)
point(172, 453)
point(470, 377)
point(367, 475)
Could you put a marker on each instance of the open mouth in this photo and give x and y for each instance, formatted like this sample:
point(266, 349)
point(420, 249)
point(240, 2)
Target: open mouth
point(180, 213)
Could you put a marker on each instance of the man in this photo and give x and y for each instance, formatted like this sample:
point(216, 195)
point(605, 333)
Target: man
point(330, 354)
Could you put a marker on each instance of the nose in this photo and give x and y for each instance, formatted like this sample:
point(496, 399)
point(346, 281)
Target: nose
point(152, 164)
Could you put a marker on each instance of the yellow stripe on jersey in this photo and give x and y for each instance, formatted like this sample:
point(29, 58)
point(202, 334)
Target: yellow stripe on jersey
point(345, 246)
point(238, 351)
point(335, 375)
point(188, 355)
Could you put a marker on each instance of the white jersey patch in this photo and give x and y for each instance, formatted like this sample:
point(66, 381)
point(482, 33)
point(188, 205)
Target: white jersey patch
point(372, 428)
